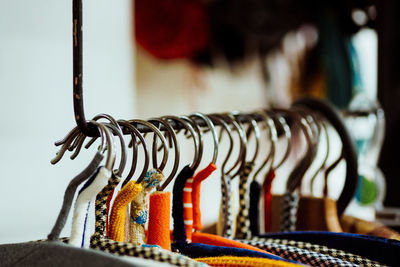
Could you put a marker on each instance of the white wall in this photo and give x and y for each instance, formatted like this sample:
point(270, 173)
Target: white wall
point(36, 100)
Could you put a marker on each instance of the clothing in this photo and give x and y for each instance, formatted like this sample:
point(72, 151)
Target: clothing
point(194, 250)
point(199, 177)
point(89, 192)
point(290, 202)
point(378, 249)
point(188, 208)
point(254, 214)
point(118, 211)
point(179, 233)
point(242, 219)
point(267, 186)
point(159, 220)
point(140, 207)
point(228, 261)
point(226, 207)
point(216, 240)
point(70, 193)
point(100, 241)
point(300, 255)
point(197, 250)
point(340, 254)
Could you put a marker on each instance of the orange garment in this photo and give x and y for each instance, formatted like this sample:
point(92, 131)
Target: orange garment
point(118, 211)
point(216, 240)
point(228, 261)
point(200, 176)
point(159, 220)
point(187, 208)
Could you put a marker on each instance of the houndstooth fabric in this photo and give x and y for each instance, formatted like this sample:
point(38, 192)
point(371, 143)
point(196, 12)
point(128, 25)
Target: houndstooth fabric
point(290, 202)
point(300, 255)
point(340, 254)
point(242, 219)
point(101, 242)
point(226, 202)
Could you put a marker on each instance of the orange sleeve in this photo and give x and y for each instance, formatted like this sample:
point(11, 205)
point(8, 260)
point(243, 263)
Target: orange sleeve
point(199, 177)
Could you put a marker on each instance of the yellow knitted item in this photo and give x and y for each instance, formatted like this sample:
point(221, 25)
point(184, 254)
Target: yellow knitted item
point(225, 261)
point(118, 211)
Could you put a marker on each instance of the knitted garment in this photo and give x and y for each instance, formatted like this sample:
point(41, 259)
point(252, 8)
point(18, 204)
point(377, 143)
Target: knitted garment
point(216, 240)
point(179, 232)
point(118, 211)
point(242, 219)
point(230, 261)
point(109, 198)
point(254, 214)
point(340, 254)
point(197, 250)
point(226, 207)
point(89, 192)
point(188, 208)
point(140, 207)
point(378, 249)
point(300, 255)
point(70, 193)
point(159, 220)
point(288, 218)
point(200, 177)
point(268, 200)
point(101, 242)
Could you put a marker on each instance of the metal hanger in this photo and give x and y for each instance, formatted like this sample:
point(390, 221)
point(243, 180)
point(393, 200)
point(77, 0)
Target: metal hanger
point(288, 136)
point(135, 133)
point(300, 169)
point(253, 128)
point(243, 144)
point(228, 130)
point(349, 151)
point(172, 135)
point(189, 128)
point(273, 138)
point(157, 133)
point(211, 127)
point(323, 163)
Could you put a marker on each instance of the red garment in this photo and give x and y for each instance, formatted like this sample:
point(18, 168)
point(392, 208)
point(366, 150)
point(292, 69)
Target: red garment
point(268, 200)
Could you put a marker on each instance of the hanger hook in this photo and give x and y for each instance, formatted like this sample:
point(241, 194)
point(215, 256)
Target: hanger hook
point(211, 126)
point(225, 126)
point(188, 127)
point(158, 133)
point(135, 132)
point(273, 138)
point(172, 135)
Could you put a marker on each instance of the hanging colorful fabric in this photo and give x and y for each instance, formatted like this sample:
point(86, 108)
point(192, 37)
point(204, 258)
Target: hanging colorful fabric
point(140, 207)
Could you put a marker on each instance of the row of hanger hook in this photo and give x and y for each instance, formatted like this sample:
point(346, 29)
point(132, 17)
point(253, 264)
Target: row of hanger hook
point(278, 124)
